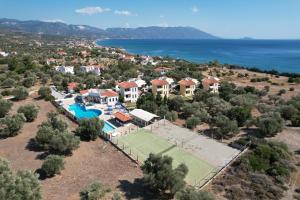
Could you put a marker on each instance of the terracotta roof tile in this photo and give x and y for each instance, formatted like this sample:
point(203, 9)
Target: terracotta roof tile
point(72, 85)
point(127, 85)
point(122, 117)
point(109, 93)
point(159, 82)
point(186, 82)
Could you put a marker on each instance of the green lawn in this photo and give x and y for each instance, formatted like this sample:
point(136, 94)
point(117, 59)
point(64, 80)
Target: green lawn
point(143, 142)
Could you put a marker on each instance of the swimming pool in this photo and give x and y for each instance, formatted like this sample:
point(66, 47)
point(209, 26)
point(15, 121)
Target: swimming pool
point(108, 127)
point(82, 113)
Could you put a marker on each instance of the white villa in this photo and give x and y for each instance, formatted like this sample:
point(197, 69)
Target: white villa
point(4, 54)
point(211, 83)
point(129, 90)
point(96, 69)
point(65, 69)
point(107, 96)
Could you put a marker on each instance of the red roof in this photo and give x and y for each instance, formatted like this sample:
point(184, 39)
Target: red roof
point(159, 82)
point(186, 82)
point(83, 91)
point(109, 93)
point(72, 85)
point(159, 69)
point(127, 85)
point(122, 117)
point(209, 81)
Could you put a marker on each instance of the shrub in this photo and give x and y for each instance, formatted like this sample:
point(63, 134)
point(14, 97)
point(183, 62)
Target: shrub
point(190, 193)
point(192, 122)
point(6, 93)
point(225, 127)
point(270, 123)
point(11, 125)
point(29, 82)
point(64, 143)
point(94, 191)
point(116, 196)
point(44, 92)
point(90, 129)
point(8, 83)
point(30, 112)
point(21, 185)
point(52, 165)
point(287, 111)
point(296, 120)
point(20, 93)
point(240, 114)
point(172, 116)
point(160, 176)
point(5, 106)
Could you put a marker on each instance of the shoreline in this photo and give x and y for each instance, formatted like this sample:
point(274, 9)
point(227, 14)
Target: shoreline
point(231, 65)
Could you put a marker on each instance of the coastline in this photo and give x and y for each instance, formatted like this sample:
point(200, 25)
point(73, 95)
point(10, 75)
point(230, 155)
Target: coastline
point(265, 59)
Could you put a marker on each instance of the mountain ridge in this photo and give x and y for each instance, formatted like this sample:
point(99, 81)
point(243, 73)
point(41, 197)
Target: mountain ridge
point(63, 29)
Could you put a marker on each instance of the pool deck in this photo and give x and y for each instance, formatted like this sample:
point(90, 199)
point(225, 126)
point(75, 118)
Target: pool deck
point(103, 107)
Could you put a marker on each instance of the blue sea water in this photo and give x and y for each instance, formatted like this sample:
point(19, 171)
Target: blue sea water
point(281, 55)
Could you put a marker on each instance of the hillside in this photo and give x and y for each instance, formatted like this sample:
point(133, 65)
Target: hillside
point(62, 29)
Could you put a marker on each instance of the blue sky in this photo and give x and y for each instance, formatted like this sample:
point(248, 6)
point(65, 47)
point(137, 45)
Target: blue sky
point(225, 18)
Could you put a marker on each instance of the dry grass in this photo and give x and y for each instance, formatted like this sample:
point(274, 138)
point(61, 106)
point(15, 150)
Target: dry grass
point(93, 161)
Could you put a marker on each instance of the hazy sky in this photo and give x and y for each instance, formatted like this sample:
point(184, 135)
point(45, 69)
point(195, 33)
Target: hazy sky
point(224, 18)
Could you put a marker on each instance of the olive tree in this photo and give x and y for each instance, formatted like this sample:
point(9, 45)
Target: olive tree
point(225, 127)
point(52, 165)
point(270, 123)
point(30, 112)
point(44, 92)
point(94, 191)
point(160, 176)
point(5, 106)
point(90, 129)
point(20, 185)
point(20, 93)
point(190, 193)
point(11, 125)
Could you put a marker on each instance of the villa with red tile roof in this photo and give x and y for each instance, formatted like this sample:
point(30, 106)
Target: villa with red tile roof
point(71, 87)
point(106, 96)
point(122, 117)
point(211, 83)
point(160, 87)
point(163, 70)
point(129, 90)
point(187, 87)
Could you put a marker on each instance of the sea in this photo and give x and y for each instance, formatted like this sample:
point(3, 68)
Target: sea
point(280, 55)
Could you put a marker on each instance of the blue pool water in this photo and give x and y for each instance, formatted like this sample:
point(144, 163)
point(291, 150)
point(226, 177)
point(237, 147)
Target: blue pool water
point(82, 113)
point(108, 127)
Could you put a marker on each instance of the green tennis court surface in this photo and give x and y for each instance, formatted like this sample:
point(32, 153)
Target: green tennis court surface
point(141, 143)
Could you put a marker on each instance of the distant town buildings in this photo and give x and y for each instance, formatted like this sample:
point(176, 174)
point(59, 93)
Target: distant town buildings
point(163, 70)
point(95, 69)
point(4, 54)
point(65, 69)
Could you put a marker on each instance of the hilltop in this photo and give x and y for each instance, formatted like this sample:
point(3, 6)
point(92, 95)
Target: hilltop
point(63, 29)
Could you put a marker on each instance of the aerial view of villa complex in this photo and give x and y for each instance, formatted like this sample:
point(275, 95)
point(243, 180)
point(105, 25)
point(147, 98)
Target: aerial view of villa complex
point(148, 112)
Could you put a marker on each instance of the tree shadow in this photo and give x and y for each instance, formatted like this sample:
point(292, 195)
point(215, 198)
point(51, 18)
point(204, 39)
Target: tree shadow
point(41, 174)
point(138, 190)
point(253, 132)
point(33, 146)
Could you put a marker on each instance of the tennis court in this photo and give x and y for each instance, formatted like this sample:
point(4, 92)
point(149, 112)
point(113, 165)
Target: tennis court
point(141, 143)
